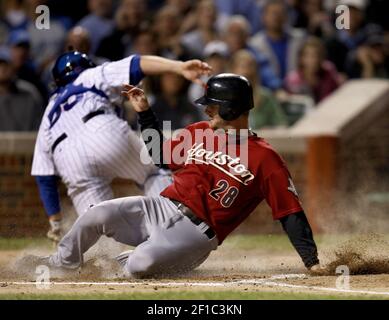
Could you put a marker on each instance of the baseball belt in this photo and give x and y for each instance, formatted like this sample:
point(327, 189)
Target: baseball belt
point(192, 217)
point(85, 119)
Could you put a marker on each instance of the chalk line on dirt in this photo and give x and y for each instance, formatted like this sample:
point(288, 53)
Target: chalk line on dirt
point(270, 282)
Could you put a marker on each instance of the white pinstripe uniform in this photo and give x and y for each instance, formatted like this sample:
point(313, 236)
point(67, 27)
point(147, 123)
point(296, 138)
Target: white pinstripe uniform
point(98, 150)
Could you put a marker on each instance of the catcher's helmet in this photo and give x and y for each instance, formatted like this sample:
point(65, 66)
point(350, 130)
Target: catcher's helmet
point(69, 65)
point(233, 94)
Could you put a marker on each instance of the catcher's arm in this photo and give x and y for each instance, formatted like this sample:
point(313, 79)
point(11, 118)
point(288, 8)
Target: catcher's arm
point(48, 191)
point(191, 70)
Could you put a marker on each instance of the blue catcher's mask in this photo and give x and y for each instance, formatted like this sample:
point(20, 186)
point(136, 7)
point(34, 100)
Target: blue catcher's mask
point(69, 66)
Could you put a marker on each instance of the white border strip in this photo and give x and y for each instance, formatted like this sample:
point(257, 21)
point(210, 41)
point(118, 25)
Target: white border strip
point(263, 282)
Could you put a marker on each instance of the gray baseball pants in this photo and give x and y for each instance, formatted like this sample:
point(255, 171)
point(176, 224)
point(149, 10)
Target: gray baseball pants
point(166, 241)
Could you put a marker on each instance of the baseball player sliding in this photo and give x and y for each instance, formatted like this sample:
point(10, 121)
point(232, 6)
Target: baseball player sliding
point(222, 171)
point(83, 141)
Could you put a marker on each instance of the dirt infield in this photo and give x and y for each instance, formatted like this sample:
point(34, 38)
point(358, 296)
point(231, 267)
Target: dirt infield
point(247, 266)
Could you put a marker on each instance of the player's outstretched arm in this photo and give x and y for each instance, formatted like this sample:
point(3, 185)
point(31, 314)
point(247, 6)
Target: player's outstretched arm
point(192, 70)
point(300, 235)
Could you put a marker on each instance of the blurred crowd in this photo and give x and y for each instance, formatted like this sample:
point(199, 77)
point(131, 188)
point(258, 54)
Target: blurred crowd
point(290, 50)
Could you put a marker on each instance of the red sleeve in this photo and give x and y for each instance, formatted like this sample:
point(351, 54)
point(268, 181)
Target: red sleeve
point(281, 194)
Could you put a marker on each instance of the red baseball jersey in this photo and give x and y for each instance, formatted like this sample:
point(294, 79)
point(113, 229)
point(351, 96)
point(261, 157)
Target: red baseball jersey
point(212, 178)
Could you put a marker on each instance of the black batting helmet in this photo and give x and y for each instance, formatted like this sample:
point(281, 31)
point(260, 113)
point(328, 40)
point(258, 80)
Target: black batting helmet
point(233, 93)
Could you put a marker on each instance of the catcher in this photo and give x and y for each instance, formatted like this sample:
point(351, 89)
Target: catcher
point(216, 186)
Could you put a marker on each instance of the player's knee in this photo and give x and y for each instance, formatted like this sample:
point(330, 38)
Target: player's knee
point(142, 266)
point(96, 216)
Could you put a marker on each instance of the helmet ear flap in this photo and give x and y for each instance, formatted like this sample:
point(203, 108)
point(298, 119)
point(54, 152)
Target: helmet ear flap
point(227, 112)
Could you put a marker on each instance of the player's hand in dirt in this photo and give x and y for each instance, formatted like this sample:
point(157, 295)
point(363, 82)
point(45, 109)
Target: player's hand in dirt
point(55, 232)
point(55, 235)
point(137, 98)
point(317, 270)
point(192, 70)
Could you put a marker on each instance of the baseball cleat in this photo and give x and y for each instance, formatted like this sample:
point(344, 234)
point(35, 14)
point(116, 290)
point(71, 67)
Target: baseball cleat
point(123, 257)
point(28, 266)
